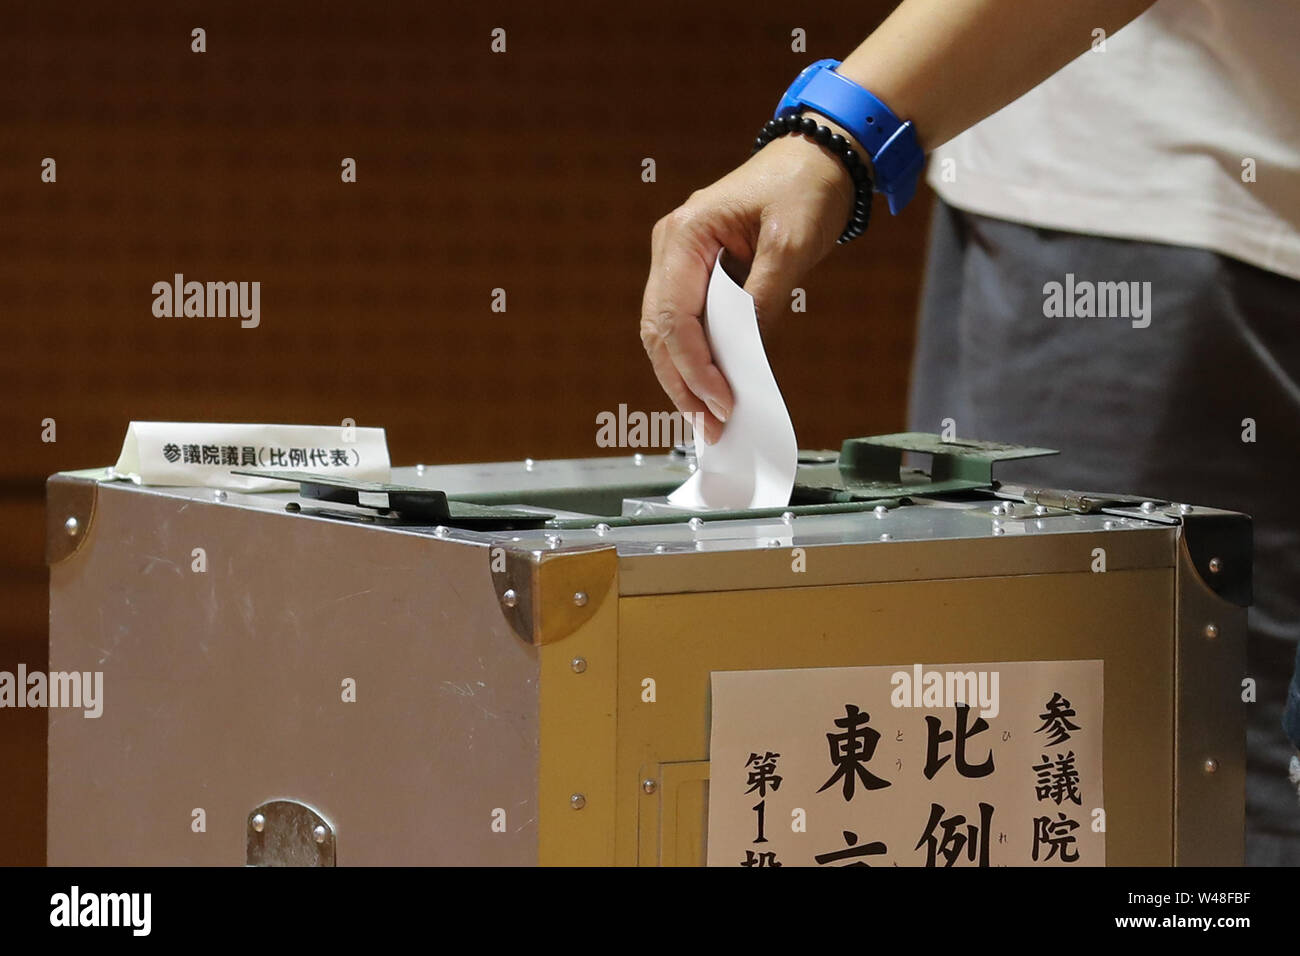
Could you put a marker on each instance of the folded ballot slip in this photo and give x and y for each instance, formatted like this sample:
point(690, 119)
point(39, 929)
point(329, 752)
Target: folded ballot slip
point(204, 453)
point(753, 464)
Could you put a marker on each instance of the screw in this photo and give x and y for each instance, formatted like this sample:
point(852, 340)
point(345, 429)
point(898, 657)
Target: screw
point(259, 822)
point(510, 598)
point(319, 833)
point(72, 526)
point(1211, 631)
point(649, 786)
point(1215, 565)
point(579, 665)
point(1211, 765)
point(580, 598)
point(577, 801)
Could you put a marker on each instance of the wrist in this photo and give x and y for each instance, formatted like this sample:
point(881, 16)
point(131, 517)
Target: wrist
point(855, 184)
point(896, 158)
point(851, 140)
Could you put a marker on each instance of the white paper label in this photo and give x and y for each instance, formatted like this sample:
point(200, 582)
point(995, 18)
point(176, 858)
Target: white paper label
point(939, 765)
point(203, 453)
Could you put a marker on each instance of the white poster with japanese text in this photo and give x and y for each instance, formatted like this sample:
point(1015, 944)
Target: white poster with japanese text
point(992, 764)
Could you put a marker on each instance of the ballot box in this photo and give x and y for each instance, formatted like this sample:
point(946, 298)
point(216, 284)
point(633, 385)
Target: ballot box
point(544, 662)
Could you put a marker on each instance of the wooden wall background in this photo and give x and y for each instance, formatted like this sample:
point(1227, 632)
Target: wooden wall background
point(475, 170)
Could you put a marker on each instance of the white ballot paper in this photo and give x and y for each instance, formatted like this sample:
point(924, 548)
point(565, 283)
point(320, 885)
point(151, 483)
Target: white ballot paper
point(203, 453)
point(753, 463)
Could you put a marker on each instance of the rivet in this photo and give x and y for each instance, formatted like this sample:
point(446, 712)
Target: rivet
point(602, 528)
point(1211, 631)
point(649, 786)
point(529, 464)
point(999, 530)
point(880, 511)
point(886, 537)
point(1108, 525)
point(554, 540)
point(259, 822)
point(510, 598)
point(1184, 509)
point(419, 469)
point(319, 833)
point(774, 542)
point(1148, 506)
point(72, 526)
point(1215, 565)
point(579, 665)
point(219, 494)
point(441, 531)
point(660, 549)
point(1040, 509)
point(580, 598)
point(1211, 765)
point(638, 459)
point(577, 801)
point(695, 524)
point(787, 517)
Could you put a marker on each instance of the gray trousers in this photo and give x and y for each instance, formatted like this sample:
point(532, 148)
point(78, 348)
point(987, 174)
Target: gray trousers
point(1157, 411)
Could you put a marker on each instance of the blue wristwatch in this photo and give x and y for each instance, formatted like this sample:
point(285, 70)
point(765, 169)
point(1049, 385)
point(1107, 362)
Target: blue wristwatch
point(896, 156)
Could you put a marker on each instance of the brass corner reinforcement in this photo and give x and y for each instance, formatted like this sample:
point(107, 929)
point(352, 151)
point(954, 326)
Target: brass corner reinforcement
point(69, 510)
point(547, 595)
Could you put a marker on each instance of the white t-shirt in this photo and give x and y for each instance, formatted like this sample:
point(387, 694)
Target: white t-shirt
point(1156, 138)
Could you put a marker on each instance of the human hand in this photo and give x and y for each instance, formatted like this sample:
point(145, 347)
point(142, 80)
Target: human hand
point(780, 213)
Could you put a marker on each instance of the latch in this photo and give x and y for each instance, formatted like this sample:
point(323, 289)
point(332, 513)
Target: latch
point(288, 833)
point(873, 467)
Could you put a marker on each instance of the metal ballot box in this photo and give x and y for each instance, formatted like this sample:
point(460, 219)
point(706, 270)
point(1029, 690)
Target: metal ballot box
point(526, 662)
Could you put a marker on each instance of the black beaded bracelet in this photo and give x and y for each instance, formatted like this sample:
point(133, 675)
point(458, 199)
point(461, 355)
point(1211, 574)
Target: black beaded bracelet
point(837, 144)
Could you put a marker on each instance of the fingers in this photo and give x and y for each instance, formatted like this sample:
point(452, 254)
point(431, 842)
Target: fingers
point(671, 330)
point(702, 420)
